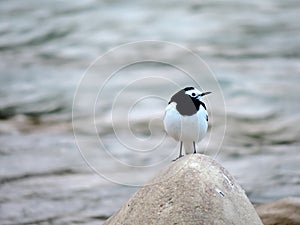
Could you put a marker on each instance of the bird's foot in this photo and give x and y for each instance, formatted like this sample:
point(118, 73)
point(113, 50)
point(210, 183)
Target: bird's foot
point(177, 158)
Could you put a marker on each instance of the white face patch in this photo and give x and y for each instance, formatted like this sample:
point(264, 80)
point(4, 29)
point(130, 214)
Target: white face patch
point(193, 93)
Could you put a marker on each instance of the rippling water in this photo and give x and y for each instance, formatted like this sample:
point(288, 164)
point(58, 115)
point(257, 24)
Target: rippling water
point(45, 48)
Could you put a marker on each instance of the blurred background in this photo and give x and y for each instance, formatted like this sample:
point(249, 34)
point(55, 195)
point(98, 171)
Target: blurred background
point(45, 49)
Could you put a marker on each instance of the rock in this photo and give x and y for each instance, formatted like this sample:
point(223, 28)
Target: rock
point(195, 189)
point(285, 211)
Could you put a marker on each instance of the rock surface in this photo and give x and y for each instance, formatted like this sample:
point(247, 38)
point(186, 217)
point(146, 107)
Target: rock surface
point(285, 211)
point(195, 189)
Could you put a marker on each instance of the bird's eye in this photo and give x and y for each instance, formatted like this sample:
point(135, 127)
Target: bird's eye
point(193, 94)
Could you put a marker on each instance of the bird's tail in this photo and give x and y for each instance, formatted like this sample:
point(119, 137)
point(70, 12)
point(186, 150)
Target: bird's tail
point(188, 147)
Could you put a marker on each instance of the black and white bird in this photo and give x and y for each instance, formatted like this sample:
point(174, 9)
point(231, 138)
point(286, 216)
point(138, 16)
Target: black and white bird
point(186, 118)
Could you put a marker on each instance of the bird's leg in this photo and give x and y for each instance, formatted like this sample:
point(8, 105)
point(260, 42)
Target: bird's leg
point(194, 147)
point(180, 152)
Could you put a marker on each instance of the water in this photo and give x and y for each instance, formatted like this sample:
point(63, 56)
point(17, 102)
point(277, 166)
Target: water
point(47, 47)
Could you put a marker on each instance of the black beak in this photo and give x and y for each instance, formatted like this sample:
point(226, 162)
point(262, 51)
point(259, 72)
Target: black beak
point(205, 93)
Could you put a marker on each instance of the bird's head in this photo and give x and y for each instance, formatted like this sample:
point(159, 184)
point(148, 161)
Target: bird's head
point(188, 100)
point(194, 93)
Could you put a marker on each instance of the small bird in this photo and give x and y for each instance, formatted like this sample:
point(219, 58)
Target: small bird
point(186, 118)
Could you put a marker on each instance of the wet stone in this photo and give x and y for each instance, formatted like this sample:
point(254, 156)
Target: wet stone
point(285, 211)
point(192, 190)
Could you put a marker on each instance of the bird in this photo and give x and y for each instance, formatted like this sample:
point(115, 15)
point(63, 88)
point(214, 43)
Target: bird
point(186, 118)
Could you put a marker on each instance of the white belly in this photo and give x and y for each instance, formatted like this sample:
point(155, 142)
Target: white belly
point(185, 128)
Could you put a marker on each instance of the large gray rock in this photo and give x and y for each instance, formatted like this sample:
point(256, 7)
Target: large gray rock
point(195, 189)
point(285, 211)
